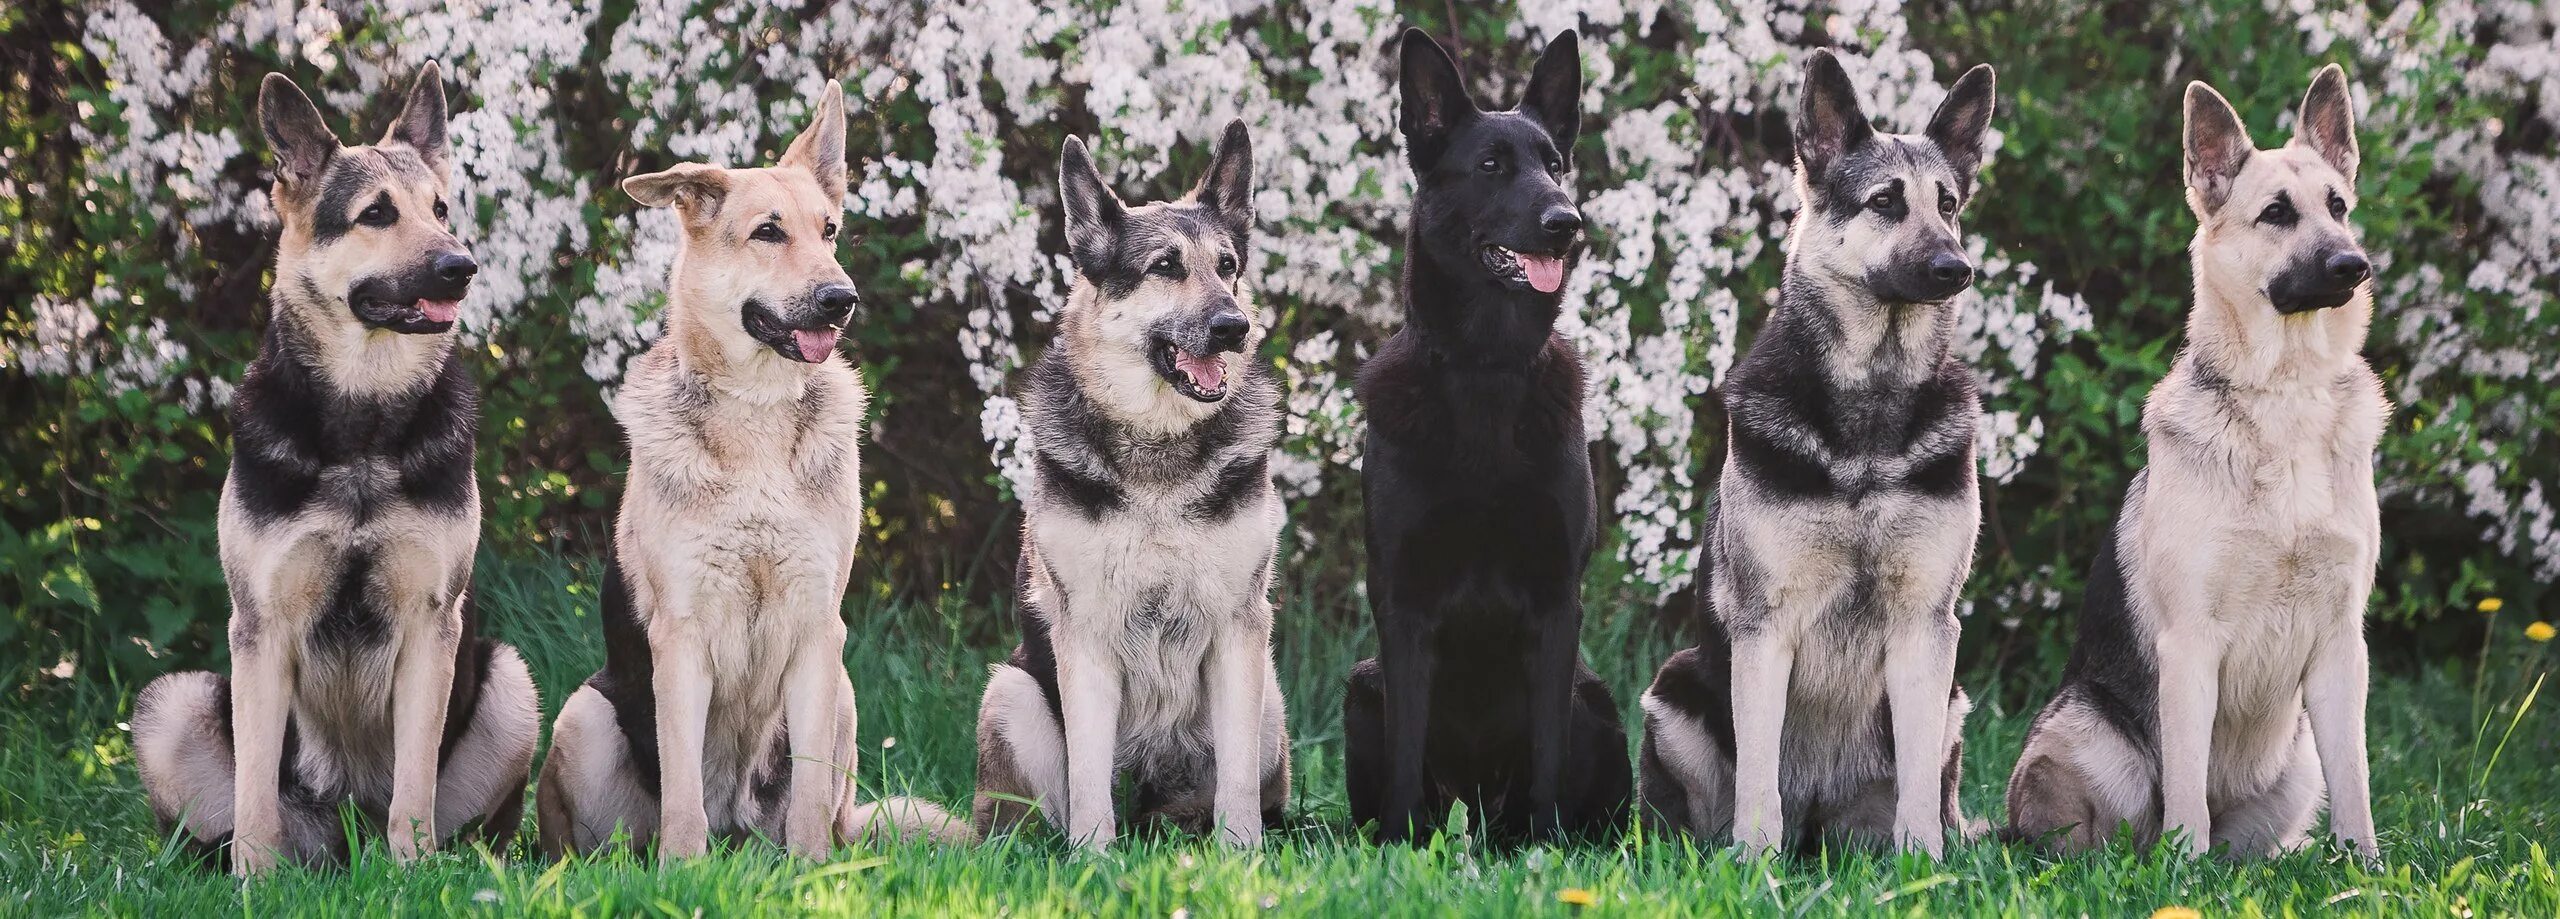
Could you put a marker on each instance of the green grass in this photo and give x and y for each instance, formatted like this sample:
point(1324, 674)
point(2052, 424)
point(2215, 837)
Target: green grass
point(75, 837)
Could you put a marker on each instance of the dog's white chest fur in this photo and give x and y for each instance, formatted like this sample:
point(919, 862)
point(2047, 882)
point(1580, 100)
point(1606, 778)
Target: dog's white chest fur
point(2256, 534)
point(738, 533)
point(1151, 587)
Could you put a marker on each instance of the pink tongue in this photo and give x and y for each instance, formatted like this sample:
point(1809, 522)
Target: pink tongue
point(440, 310)
point(1208, 374)
point(1546, 272)
point(815, 344)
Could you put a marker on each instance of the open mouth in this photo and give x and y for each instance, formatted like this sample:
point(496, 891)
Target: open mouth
point(806, 345)
point(1538, 271)
point(418, 316)
point(1204, 379)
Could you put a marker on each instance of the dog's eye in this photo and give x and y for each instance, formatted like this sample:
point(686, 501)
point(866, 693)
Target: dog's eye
point(1946, 203)
point(1885, 201)
point(1226, 264)
point(378, 214)
point(1166, 265)
point(1490, 164)
point(2279, 212)
point(830, 232)
point(1555, 164)
point(767, 232)
point(440, 209)
point(2337, 207)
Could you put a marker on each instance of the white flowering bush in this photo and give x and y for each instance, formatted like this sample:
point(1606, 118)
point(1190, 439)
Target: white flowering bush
point(133, 183)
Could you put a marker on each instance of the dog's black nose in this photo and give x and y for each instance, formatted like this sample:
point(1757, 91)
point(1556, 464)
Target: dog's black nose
point(456, 267)
point(1226, 331)
point(1950, 268)
point(836, 301)
point(1560, 220)
point(2349, 267)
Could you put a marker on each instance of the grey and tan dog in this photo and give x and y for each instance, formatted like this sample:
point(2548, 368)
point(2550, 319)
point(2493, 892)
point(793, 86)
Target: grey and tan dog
point(1149, 533)
point(1820, 702)
point(723, 707)
point(347, 525)
point(2218, 686)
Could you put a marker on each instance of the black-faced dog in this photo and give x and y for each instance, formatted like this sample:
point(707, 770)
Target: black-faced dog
point(1478, 485)
point(1844, 522)
point(348, 522)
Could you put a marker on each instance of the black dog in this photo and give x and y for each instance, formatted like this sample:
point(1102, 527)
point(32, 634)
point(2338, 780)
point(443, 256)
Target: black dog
point(1478, 485)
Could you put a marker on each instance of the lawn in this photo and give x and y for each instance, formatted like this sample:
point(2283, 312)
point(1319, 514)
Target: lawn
point(2467, 795)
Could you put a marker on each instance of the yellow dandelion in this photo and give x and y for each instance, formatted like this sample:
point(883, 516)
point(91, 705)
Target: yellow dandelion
point(1576, 896)
point(2540, 631)
point(2492, 604)
point(2176, 912)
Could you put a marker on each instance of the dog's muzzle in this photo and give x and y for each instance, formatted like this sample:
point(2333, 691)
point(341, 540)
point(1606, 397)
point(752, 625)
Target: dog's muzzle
point(421, 301)
point(2319, 283)
point(810, 334)
point(1193, 359)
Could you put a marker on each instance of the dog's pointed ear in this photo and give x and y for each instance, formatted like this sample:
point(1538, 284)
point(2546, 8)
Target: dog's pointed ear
point(1828, 121)
point(303, 143)
point(2327, 121)
point(1227, 188)
point(1435, 99)
point(1962, 126)
point(695, 189)
point(421, 122)
point(820, 147)
point(1555, 91)
point(1094, 215)
point(2217, 147)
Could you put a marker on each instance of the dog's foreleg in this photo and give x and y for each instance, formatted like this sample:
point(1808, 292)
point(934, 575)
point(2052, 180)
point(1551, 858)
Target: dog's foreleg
point(2335, 693)
point(1919, 676)
point(1239, 673)
point(2189, 691)
point(1763, 664)
point(1550, 705)
point(1405, 657)
point(261, 677)
point(1089, 705)
point(813, 693)
point(421, 685)
point(682, 684)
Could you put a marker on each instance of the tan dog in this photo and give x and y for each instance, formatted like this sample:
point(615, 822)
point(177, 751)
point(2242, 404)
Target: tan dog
point(348, 522)
point(724, 706)
point(2219, 682)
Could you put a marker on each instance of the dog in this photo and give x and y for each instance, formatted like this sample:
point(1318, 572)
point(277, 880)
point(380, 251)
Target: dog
point(2218, 684)
point(724, 706)
point(1149, 533)
point(1844, 521)
point(1477, 481)
point(347, 525)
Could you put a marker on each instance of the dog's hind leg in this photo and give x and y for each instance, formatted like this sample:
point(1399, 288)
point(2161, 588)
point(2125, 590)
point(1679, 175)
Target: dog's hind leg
point(1275, 749)
point(480, 783)
point(2077, 780)
point(1688, 775)
point(1364, 741)
point(1598, 781)
point(2277, 819)
point(591, 787)
point(1022, 754)
point(182, 747)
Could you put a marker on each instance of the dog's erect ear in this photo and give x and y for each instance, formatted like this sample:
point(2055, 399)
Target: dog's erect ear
point(1963, 123)
point(695, 189)
point(1435, 99)
point(421, 121)
point(1828, 120)
point(2327, 121)
point(303, 143)
point(1555, 91)
point(2217, 147)
point(1227, 188)
point(1094, 215)
point(820, 148)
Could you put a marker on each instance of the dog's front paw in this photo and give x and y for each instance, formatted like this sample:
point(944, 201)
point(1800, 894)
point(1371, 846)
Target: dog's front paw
point(1241, 835)
point(677, 843)
point(410, 838)
point(1096, 837)
point(250, 861)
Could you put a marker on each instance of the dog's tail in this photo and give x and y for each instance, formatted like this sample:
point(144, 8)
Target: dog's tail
point(896, 819)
